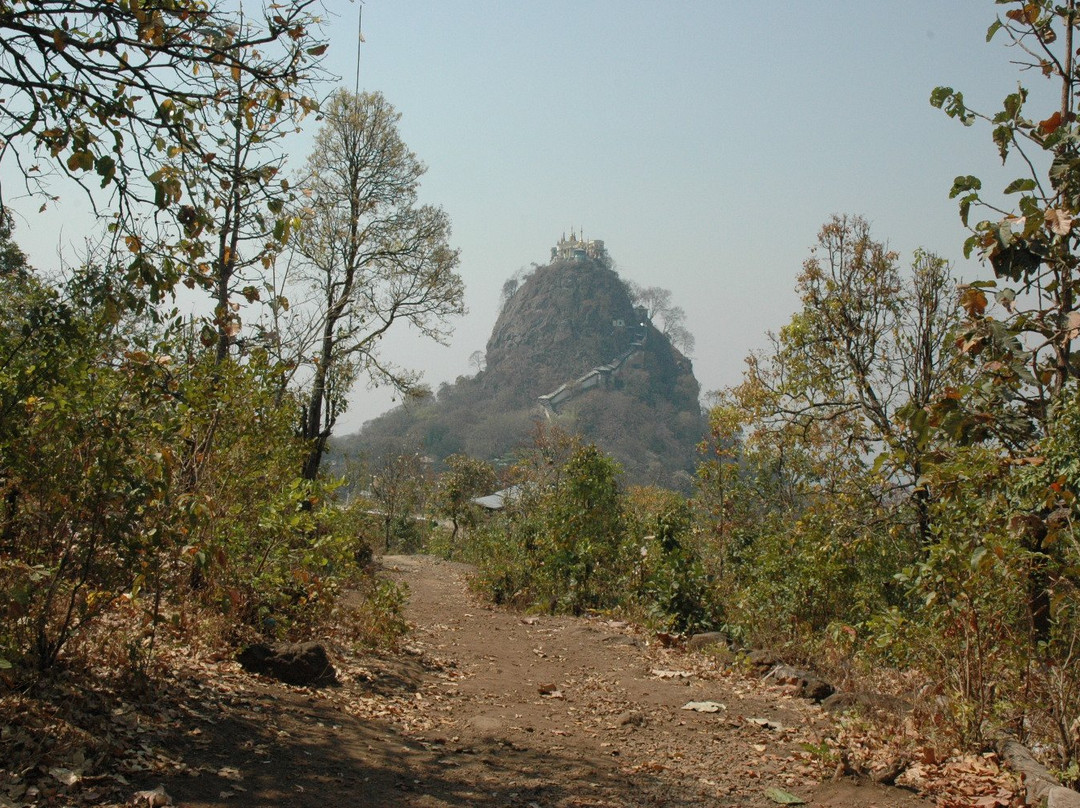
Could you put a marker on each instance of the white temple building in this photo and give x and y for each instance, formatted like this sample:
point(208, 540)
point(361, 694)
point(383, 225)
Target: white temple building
point(578, 248)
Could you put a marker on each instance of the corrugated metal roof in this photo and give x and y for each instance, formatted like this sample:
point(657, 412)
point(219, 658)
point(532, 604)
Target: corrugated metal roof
point(498, 500)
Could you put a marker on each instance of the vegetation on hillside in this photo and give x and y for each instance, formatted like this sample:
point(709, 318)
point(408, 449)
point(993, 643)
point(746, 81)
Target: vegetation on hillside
point(890, 490)
point(558, 323)
point(158, 473)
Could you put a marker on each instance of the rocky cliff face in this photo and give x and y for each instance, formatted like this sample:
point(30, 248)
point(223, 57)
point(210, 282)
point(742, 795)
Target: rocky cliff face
point(564, 321)
point(569, 318)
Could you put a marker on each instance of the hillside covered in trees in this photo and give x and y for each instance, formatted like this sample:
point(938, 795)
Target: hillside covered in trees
point(574, 346)
point(889, 494)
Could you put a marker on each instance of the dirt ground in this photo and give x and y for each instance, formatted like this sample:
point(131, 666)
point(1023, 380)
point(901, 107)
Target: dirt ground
point(492, 708)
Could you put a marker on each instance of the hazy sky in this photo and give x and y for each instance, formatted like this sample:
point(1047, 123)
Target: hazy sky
point(705, 142)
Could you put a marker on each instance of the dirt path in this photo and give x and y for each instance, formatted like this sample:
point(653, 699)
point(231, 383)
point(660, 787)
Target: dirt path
point(491, 708)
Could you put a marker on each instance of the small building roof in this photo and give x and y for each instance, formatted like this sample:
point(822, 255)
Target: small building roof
point(500, 499)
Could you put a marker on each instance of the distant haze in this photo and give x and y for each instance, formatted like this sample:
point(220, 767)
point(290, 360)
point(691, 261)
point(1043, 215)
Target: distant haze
point(705, 142)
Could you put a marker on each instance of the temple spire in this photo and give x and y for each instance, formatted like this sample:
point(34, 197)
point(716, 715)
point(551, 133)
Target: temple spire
point(577, 248)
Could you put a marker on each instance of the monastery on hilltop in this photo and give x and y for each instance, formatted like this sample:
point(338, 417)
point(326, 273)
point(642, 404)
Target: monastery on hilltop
point(578, 249)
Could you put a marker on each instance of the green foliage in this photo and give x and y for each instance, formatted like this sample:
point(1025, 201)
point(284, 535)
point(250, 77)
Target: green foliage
point(796, 554)
point(573, 542)
point(133, 480)
point(964, 622)
point(400, 488)
point(465, 479)
point(665, 576)
point(83, 489)
point(801, 530)
point(139, 99)
point(997, 591)
point(583, 530)
point(1022, 352)
point(924, 558)
point(373, 616)
point(149, 485)
point(952, 556)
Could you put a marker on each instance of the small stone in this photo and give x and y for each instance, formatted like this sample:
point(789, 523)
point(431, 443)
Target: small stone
point(804, 683)
point(841, 702)
point(845, 701)
point(631, 719)
point(762, 659)
point(704, 706)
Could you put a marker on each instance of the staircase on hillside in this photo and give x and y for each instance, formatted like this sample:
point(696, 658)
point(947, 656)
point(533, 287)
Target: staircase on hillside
point(601, 376)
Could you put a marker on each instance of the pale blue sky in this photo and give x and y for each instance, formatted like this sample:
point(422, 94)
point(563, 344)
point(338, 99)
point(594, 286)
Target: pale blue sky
point(704, 141)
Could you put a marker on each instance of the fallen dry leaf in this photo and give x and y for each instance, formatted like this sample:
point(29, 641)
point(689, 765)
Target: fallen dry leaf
point(153, 798)
point(704, 706)
point(65, 776)
point(778, 795)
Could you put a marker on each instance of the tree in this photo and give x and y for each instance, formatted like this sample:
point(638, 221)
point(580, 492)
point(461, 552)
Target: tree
point(400, 488)
point(807, 530)
point(32, 345)
point(584, 527)
point(1019, 336)
point(1024, 350)
point(658, 305)
point(117, 95)
point(237, 187)
point(465, 479)
point(36, 331)
point(509, 287)
point(864, 360)
point(374, 256)
point(13, 263)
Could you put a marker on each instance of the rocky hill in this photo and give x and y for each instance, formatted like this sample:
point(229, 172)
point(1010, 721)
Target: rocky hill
point(569, 347)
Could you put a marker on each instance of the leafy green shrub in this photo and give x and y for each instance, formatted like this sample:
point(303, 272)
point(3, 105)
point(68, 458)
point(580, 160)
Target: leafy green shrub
point(464, 480)
point(501, 548)
point(584, 526)
point(138, 483)
point(85, 486)
point(663, 571)
point(372, 614)
point(574, 542)
point(963, 625)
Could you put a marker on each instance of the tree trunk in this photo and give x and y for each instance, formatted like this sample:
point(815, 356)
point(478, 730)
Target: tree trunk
point(315, 428)
point(314, 459)
point(922, 507)
point(222, 312)
point(1032, 530)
